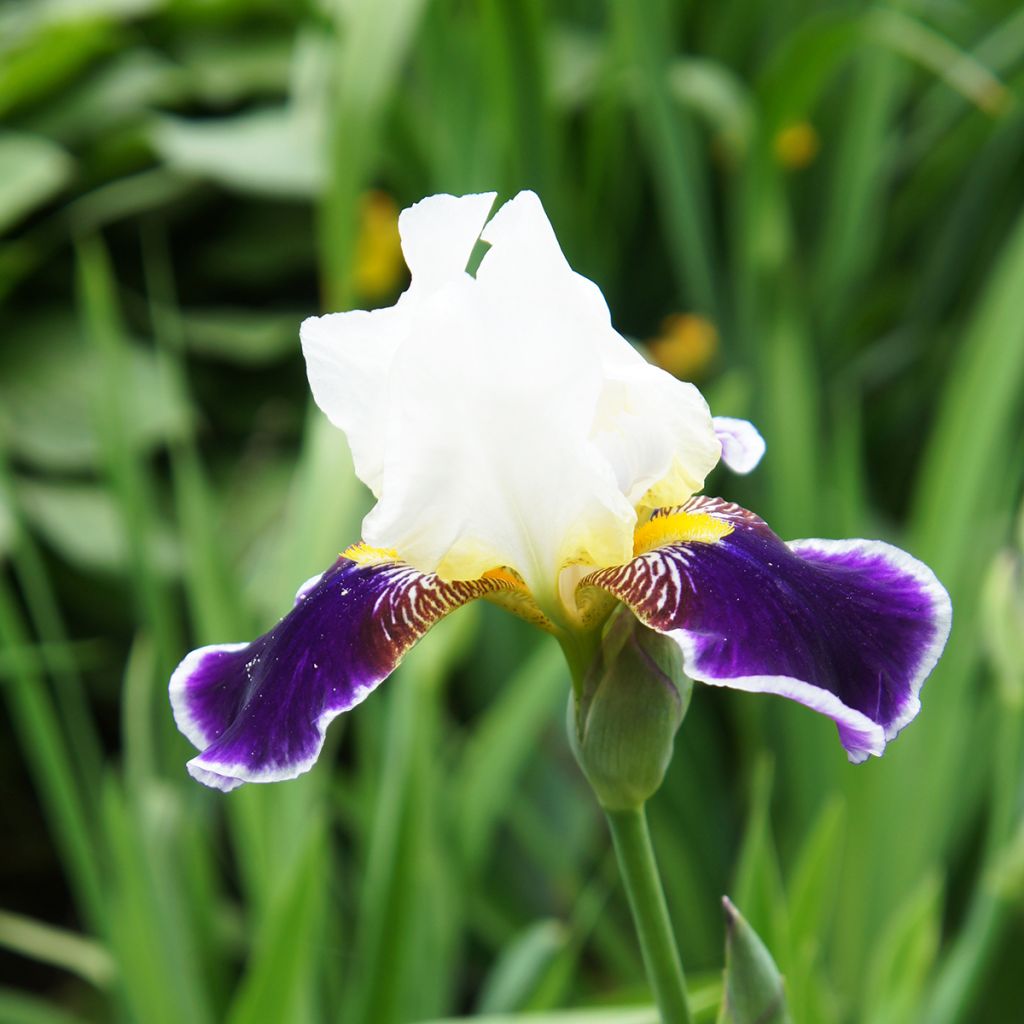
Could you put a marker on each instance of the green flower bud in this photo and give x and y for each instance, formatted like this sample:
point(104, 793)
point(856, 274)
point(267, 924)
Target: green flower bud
point(632, 701)
point(754, 991)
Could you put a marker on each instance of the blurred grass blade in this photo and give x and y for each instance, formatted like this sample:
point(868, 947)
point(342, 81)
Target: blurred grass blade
point(372, 42)
point(975, 416)
point(501, 746)
point(45, 750)
point(758, 882)
point(719, 97)
point(18, 1008)
point(898, 975)
point(128, 476)
point(521, 967)
point(57, 946)
point(150, 937)
point(618, 1015)
point(816, 875)
point(41, 602)
point(962, 72)
point(277, 983)
point(641, 32)
point(213, 594)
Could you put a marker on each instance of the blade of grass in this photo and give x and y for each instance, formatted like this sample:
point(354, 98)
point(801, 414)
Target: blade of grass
point(128, 476)
point(156, 953)
point(277, 982)
point(58, 659)
point(372, 42)
point(46, 751)
point(58, 947)
point(641, 31)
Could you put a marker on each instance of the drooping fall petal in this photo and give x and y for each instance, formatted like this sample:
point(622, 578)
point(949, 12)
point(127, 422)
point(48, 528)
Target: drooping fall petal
point(849, 628)
point(258, 711)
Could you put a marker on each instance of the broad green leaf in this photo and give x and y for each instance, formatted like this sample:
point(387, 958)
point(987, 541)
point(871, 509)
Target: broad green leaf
point(125, 87)
point(48, 378)
point(32, 171)
point(275, 151)
point(39, 56)
point(82, 523)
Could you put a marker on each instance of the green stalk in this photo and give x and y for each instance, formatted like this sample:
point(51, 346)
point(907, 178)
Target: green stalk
point(650, 914)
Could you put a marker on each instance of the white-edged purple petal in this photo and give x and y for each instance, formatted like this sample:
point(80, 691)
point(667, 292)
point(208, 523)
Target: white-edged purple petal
point(258, 711)
point(849, 628)
point(743, 446)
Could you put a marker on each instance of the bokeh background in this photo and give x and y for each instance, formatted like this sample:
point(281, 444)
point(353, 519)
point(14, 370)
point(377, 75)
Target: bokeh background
point(813, 210)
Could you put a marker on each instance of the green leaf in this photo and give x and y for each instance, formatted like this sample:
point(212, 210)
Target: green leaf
point(276, 983)
point(758, 880)
point(240, 335)
point(275, 151)
point(521, 967)
point(18, 1008)
point(81, 521)
point(57, 946)
point(617, 1015)
point(502, 745)
point(898, 974)
point(754, 989)
point(47, 382)
point(32, 170)
point(718, 97)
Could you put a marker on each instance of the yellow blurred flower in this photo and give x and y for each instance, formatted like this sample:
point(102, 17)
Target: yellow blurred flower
point(796, 145)
point(379, 266)
point(686, 345)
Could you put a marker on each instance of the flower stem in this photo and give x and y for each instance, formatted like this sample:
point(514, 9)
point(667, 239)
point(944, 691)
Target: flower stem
point(650, 914)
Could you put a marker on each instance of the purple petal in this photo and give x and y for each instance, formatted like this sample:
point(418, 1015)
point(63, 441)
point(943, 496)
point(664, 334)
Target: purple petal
point(850, 628)
point(742, 444)
point(258, 711)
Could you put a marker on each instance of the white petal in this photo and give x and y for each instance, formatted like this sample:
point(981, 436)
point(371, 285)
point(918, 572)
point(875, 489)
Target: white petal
point(500, 419)
point(438, 235)
point(742, 445)
point(349, 355)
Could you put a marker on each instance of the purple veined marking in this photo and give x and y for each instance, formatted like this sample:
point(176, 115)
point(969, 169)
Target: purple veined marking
point(849, 628)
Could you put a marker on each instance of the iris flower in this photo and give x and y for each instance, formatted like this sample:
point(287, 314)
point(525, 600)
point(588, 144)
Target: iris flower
point(520, 450)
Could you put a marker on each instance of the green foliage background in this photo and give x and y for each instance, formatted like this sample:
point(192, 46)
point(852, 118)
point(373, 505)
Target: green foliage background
point(180, 184)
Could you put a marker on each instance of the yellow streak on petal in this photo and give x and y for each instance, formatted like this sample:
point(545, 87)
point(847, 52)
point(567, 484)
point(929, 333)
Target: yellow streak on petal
point(505, 576)
point(363, 554)
point(674, 488)
point(677, 528)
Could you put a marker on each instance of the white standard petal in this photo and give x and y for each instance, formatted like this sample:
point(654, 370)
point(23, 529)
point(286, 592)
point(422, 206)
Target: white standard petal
point(524, 430)
point(349, 355)
point(500, 419)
